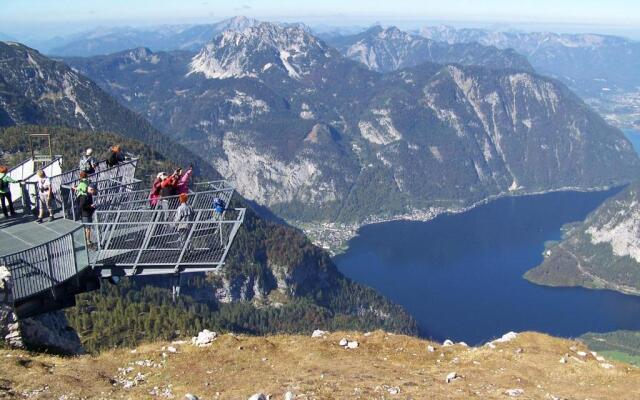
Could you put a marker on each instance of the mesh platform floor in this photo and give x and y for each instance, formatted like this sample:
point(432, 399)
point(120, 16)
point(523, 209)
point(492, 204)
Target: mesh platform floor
point(22, 232)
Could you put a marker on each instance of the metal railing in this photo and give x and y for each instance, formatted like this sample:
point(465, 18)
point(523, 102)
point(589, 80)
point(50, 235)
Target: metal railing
point(26, 172)
point(41, 268)
point(109, 188)
point(136, 240)
point(62, 183)
point(132, 233)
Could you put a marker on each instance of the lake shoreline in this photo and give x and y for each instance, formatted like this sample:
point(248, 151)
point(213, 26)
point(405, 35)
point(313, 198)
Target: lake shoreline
point(343, 233)
point(467, 270)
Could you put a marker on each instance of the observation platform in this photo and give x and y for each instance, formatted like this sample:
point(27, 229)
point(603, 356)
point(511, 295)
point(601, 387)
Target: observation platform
point(50, 263)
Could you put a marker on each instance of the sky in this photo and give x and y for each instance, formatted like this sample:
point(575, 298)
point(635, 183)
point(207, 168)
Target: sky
point(66, 16)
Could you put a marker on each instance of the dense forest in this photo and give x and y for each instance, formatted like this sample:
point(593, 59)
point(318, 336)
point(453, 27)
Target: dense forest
point(141, 309)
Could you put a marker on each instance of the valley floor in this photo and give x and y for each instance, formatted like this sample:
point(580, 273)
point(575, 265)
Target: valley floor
point(384, 366)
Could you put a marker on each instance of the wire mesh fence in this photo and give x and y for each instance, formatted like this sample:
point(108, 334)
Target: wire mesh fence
point(63, 184)
point(129, 231)
point(43, 267)
point(139, 238)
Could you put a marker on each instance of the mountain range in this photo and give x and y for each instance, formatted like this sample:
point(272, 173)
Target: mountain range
point(316, 136)
point(166, 37)
point(588, 63)
point(389, 49)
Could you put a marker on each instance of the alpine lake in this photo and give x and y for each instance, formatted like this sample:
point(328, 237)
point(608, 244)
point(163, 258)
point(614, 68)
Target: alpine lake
point(461, 275)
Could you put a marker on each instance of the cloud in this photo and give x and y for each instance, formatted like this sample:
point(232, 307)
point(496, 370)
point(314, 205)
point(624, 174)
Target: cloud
point(244, 7)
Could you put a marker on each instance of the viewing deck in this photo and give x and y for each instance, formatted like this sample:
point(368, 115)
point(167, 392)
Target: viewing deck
point(50, 263)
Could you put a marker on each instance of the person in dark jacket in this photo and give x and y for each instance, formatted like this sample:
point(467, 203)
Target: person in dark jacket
point(87, 208)
point(169, 186)
point(115, 157)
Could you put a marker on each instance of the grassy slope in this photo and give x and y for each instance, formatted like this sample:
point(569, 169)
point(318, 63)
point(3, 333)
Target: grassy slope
point(619, 345)
point(235, 367)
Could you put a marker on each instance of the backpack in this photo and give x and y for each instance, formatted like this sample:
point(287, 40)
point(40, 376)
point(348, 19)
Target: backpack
point(82, 187)
point(85, 164)
point(219, 205)
point(4, 184)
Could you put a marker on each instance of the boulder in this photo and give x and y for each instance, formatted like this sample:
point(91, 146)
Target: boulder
point(514, 392)
point(352, 345)
point(259, 396)
point(204, 338)
point(393, 390)
point(343, 342)
point(289, 396)
point(451, 376)
point(431, 349)
point(318, 333)
point(447, 343)
point(190, 396)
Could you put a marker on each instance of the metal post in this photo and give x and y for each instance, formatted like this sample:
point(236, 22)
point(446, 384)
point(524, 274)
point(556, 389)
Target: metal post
point(145, 241)
point(232, 235)
point(53, 292)
point(187, 241)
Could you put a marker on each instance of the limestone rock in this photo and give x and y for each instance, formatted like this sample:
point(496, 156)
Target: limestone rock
point(343, 342)
point(318, 333)
point(514, 392)
point(289, 396)
point(190, 396)
point(452, 376)
point(49, 331)
point(431, 349)
point(259, 396)
point(352, 345)
point(204, 338)
point(447, 343)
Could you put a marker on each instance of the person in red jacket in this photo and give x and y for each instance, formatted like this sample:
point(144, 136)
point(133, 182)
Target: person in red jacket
point(168, 188)
point(154, 196)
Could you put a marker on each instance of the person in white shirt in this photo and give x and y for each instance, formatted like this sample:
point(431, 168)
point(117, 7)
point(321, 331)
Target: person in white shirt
point(45, 195)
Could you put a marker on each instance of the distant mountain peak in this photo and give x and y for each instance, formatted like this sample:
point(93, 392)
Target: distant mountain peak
point(255, 49)
point(238, 23)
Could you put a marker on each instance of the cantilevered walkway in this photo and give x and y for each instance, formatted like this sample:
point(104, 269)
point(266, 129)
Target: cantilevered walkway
point(50, 263)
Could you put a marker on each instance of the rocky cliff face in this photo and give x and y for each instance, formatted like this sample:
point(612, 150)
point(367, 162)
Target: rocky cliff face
point(601, 252)
point(50, 331)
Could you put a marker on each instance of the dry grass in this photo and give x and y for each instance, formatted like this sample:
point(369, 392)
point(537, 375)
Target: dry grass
point(235, 367)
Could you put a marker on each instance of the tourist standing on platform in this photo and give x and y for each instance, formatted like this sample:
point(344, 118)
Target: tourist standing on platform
point(115, 157)
point(83, 184)
point(184, 215)
point(154, 196)
point(168, 188)
point(87, 208)
point(45, 196)
point(88, 163)
point(5, 191)
point(184, 179)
